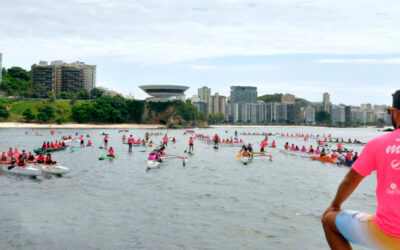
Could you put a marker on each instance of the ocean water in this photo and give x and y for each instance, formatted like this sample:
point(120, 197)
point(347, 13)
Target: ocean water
point(214, 202)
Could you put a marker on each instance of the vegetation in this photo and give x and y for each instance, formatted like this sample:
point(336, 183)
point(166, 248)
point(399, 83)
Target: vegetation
point(322, 117)
point(215, 118)
point(271, 98)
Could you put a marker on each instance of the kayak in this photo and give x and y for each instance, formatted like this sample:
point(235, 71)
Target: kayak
point(73, 149)
point(107, 157)
point(27, 170)
point(153, 164)
point(54, 169)
point(47, 150)
point(324, 159)
point(245, 159)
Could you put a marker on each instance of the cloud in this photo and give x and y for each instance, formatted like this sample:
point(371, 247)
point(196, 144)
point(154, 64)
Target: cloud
point(362, 61)
point(253, 67)
point(159, 31)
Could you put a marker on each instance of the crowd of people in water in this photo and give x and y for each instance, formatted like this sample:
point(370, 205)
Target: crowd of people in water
point(14, 157)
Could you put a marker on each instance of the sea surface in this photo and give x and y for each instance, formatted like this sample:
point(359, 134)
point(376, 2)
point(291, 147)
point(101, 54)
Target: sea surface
point(214, 202)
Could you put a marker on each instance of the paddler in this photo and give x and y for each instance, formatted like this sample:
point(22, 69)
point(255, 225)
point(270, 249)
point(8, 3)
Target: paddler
point(250, 149)
point(82, 141)
point(105, 139)
point(174, 140)
point(191, 143)
point(216, 140)
point(21, 161)
point(10, 152)
point(263, 144)
point(89, 143)
point(165, 140)
point(273, 144)
point(244, 151)
point(3, 157)
point(49, 160)
point(287, 145)
point(123, 138)
point(31, 157)
point(12, 159)
point(130, 142)
point(41, 158)
point(310, 150)
point(111, 152)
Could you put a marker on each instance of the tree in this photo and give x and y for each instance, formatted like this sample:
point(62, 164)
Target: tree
point(20, 73)
point(4, 112)
point(82, 94)
point(64, 95)
point(322, 116)
point(28, 114)
point(96, 93)
point(45, 113)
point(52, 96)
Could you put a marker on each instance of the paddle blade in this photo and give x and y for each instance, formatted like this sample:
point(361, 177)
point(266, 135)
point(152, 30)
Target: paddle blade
point(238, 156)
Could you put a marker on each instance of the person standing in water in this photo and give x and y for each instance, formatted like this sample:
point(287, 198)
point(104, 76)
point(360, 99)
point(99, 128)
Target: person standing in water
point(191, 143)
point(382, 230)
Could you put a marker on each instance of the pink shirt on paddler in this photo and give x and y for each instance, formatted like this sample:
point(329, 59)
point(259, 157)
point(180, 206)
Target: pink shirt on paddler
point(383, 155)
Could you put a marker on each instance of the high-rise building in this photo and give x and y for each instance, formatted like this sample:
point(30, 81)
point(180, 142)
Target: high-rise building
point(42, 78)
point(245, 94)
point(65, 77)
point(1, 68)
point(338, 114)
point(88, 75)
point(326, 102)
point(204, 94)
point(288, 98)
point(215, 103)
point(310, 116)
point(72, 79)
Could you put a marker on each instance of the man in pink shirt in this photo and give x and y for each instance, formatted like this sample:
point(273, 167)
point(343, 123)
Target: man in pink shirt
point(382, 230)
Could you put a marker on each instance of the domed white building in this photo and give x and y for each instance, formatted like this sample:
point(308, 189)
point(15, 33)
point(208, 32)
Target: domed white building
point(163, 93)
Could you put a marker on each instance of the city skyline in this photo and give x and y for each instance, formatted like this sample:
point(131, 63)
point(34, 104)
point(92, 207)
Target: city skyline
point(300, 47)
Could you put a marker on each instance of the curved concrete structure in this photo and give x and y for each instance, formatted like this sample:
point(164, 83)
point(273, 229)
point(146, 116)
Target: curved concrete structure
point(163, 93)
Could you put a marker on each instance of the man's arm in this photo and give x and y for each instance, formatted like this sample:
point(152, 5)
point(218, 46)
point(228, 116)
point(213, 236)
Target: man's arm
point(346, 188)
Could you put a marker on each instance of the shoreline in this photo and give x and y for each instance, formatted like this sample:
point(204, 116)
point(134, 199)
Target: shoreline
point(147, 126)
point(80, 125)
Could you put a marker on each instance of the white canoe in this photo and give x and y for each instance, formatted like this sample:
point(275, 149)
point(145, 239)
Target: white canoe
point(245, 159)
point(152, 164)
point(54, 169)
point(27, 170)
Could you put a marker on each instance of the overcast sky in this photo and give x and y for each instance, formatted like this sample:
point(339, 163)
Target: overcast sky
point(350, 49)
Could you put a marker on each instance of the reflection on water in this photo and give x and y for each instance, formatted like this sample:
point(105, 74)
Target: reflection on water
point(214, 202)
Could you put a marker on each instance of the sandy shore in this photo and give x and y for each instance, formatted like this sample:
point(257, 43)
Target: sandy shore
point(78, 125)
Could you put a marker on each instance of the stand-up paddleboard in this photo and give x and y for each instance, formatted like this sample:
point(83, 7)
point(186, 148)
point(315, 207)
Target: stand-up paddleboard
point(107, 157)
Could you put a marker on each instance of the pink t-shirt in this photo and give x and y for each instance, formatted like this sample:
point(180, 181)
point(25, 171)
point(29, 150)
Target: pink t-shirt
point(383, 155)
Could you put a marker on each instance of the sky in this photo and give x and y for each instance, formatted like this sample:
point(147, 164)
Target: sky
point(349, 49)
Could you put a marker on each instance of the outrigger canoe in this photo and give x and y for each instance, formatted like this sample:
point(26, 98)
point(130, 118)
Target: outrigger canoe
point(27, 170)
point(54, 169)
point(153, 164)
point(48, 150)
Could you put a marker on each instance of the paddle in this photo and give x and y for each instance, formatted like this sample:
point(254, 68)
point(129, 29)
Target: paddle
point(101, 145)
point(239, 156)
point(186, 149)
point(11, 167)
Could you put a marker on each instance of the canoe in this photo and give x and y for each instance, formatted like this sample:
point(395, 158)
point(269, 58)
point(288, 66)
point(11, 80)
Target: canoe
point(48, 150)
point(107, 157)
point(27, 170)
point(327, 159)
point(297, 153)
point(54, 169)
point(153, 164)
point(245, 160)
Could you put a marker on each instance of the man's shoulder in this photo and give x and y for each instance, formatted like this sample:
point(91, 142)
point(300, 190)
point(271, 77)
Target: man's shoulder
point(383, 139)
